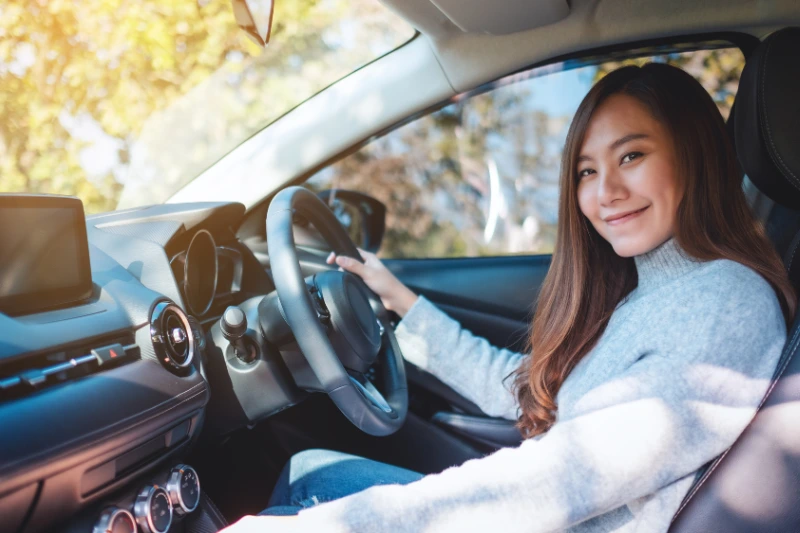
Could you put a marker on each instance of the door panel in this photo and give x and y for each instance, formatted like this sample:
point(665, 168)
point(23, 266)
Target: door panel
point(492, 297)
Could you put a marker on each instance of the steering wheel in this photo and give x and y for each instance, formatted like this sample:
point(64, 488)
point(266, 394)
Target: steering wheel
point(333, 320)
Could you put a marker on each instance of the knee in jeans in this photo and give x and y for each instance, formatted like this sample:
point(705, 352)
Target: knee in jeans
point(314, 457)
point(305, 462)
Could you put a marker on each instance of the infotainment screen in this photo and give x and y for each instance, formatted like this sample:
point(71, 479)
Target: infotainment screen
point(44, 254)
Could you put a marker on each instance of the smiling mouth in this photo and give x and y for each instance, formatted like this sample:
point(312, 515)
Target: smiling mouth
point(630, 216)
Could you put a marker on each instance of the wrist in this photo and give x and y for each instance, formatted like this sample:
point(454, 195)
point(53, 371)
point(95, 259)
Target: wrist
point(403, 301)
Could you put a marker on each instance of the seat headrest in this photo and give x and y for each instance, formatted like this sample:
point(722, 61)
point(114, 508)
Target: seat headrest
point(767, 117)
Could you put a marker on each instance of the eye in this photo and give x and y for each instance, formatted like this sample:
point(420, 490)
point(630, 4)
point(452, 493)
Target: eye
point(585, 172)
point(627, 158)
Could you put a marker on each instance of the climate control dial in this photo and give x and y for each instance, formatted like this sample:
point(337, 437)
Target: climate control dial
point(115, 520)
point(183, 488)
point(153, 509)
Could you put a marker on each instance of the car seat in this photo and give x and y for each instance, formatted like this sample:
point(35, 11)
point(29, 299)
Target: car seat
point(754, 486)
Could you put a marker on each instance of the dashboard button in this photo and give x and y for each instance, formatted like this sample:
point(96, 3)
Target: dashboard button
point(107, 354)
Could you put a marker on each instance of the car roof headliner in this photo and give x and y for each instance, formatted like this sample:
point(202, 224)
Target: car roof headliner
point(471, 58)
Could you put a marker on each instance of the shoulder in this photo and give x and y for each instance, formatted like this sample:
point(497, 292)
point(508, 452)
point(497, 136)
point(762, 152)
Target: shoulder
point(733, 281)
point(728, 292)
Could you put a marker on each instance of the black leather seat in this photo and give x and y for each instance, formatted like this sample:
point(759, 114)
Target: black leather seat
point(755, 485)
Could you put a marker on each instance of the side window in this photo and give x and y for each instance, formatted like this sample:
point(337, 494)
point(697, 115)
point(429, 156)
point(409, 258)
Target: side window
point(479, 177)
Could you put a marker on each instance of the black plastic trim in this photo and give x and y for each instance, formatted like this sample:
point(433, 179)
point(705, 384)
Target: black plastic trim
point(56, 423)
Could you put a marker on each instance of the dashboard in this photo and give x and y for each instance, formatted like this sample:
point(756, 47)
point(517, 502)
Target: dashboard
point(103, 391)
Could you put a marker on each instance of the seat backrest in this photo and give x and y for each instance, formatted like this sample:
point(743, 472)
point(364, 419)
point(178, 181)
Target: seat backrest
point(755, 485)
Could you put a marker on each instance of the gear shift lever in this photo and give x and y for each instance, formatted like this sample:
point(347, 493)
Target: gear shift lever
point(233, 325)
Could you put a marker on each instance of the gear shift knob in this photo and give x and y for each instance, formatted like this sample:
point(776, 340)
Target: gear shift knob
point(233, 325)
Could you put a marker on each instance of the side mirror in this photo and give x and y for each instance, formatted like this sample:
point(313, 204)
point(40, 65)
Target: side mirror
point(255, 18)
point(361, 215)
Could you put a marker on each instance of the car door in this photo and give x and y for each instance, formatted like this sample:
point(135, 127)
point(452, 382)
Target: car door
point(471, 192)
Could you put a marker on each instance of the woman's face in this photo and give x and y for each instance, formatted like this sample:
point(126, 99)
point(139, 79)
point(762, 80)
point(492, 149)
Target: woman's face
point(626, 166)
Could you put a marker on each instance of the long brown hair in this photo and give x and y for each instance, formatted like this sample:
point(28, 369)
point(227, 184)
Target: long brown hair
point(587, 279)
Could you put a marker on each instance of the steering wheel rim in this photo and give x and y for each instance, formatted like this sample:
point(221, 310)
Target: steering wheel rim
point(360, 402)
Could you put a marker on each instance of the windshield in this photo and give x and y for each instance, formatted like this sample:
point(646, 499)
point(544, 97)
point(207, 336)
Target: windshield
point(123, 102)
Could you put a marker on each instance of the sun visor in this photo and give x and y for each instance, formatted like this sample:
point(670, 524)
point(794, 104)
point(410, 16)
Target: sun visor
point(499, 17)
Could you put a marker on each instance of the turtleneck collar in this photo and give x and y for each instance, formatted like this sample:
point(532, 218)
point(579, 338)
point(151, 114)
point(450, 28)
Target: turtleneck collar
point(662, 264)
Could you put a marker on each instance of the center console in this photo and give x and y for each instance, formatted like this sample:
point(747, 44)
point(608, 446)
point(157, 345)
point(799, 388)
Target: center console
point(168, 501)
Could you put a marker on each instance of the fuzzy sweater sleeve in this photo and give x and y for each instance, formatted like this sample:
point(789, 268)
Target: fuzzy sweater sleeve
point(470, 365)
point(654, 422)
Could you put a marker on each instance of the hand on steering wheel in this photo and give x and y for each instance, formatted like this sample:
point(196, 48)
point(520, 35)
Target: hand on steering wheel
point(393, 294)
point(332, 319)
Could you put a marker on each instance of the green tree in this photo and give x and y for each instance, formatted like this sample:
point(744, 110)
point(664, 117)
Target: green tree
point(120, 70)
point(717, 70)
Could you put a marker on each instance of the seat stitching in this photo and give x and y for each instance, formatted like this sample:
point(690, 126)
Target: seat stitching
point(794, 251)
point(766, 119)
point(719, 459)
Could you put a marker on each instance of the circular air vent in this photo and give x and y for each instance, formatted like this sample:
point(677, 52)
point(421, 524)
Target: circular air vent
point(172, 335)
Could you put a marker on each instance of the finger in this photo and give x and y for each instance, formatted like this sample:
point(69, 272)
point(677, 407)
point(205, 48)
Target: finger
point(350, 264)
point(364, 253)
point(331, 258)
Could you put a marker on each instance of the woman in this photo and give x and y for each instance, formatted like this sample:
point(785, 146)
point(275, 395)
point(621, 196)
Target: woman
point(657, 330)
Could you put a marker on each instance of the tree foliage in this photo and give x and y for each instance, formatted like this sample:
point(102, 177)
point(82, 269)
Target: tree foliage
point(142, 95)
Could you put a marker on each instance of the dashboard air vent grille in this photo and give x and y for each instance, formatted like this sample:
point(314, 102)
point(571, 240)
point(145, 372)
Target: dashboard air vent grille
point(172, 336)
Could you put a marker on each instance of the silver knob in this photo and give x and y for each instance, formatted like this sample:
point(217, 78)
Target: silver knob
point(116, 520)
point(153, 509)
point(183, 488)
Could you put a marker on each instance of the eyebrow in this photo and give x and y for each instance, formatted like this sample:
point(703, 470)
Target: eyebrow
point(616, 144)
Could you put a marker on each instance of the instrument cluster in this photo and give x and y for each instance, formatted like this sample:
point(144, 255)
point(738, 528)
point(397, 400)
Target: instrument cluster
point(209, 275)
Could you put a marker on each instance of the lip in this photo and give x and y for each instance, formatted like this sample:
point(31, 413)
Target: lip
point(621, 218)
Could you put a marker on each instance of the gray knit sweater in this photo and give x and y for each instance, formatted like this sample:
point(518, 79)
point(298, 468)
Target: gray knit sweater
point(672, 382)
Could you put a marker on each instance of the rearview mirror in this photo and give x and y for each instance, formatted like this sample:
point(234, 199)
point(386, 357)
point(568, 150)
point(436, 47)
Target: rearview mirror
point(255, 18)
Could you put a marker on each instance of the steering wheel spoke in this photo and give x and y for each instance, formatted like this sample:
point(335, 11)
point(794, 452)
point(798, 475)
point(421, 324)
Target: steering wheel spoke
point(368, 389)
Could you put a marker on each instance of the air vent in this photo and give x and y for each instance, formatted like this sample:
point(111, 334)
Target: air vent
point(172, 336)
point(33, 372)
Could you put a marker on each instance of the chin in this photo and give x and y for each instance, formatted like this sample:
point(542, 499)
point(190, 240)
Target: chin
point(630, 247)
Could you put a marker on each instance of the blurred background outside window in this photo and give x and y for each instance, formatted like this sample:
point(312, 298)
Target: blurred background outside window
point(479, 177)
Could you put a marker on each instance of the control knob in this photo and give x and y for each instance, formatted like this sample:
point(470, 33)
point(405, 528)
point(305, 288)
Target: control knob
point(153, 509)
point(183, 488)
point(115, 520)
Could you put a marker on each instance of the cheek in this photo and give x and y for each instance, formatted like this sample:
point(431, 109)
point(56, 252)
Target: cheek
point(587, 200)
point(660, 184)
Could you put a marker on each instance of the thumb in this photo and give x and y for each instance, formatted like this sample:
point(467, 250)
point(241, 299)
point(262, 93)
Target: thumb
point(350, 264)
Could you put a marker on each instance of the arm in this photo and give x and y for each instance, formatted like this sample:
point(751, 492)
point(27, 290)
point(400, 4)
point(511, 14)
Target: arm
point(656, 423)
point(438, 344)
point(470, 365)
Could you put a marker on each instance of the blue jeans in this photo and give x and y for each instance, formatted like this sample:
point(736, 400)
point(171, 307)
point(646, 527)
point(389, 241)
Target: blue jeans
point(317, 476)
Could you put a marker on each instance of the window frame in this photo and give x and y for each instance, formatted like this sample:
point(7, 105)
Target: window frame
point(745, 42)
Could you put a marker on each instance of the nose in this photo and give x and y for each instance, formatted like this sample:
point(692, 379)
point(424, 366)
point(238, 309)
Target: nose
point(610, 187)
